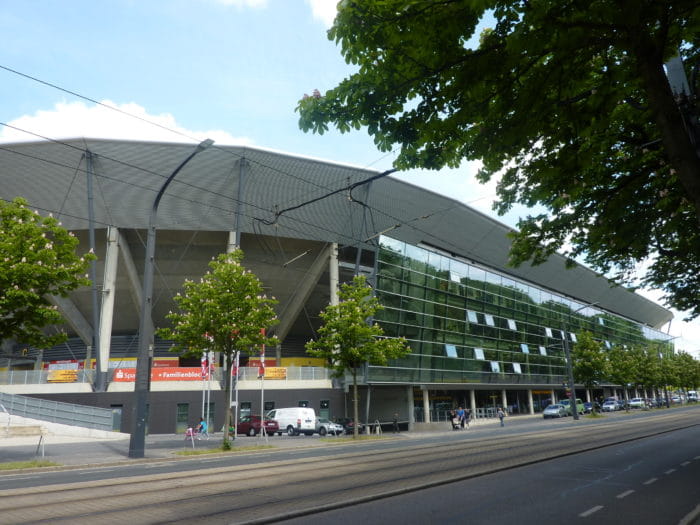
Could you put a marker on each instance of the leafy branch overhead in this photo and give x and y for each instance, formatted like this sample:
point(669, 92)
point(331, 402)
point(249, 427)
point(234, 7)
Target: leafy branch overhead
point(566, 103)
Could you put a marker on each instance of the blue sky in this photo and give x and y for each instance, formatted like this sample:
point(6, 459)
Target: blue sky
point(230, 70)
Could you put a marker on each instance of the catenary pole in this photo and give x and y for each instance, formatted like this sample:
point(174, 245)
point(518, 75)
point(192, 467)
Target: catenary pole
point(142, 383)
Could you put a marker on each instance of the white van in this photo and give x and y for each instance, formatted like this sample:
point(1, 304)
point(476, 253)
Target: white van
point(295, 420)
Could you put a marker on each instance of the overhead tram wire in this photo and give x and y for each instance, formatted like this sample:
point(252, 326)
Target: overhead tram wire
point(147, 121)
point(253, 218)
point(126, 113)
point(151, 172)
point(194, 139)
point(143, 187)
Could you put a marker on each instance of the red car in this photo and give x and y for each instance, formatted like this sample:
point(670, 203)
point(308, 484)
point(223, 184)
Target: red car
point(250, 426)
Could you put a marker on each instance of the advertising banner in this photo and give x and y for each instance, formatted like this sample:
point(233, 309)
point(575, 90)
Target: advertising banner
point(275, 372)
point(160, 374)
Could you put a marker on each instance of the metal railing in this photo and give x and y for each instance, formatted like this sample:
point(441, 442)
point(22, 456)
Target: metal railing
point(57, 412)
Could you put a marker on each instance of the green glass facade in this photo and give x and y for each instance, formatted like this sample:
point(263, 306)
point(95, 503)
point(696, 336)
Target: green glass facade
point(466, 324)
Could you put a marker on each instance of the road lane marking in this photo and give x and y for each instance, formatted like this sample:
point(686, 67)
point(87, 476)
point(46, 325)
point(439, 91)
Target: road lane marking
point(685, 463)
point(625, 494)
point(590, 511)
point(650, 481)
point(696, 457)
point(670, 471)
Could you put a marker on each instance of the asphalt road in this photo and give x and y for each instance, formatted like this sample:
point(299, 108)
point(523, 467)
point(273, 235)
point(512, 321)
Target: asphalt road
point(508, 472)
point(652, 481)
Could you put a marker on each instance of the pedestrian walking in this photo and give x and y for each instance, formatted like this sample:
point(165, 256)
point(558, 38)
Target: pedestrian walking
point(460, 417)
point(396, 423)
point(501, 415)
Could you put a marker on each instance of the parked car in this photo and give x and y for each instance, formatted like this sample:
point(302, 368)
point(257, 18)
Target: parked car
point(556, 410)
point(294, 420)
point(589, 407)
point(250, 426)
point(610, 406)
point(579, 406)
point(325, 426)
point(349, 426)
point(637, 402)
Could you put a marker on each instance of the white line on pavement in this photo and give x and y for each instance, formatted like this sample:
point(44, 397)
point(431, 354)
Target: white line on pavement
point(650, 481)
point(625, 494)
point(590, 511)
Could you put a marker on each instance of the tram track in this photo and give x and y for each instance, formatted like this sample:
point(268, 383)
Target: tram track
point(267, 492)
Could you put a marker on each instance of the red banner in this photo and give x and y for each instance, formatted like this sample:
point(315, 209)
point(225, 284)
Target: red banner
point(126, 375)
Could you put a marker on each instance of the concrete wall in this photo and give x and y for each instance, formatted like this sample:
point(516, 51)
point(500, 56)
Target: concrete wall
point(163, 406)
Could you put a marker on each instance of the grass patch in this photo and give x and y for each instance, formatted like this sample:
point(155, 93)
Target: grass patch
point(219, 450)
point(350, 439)
point(16, 465)
point(594, 415)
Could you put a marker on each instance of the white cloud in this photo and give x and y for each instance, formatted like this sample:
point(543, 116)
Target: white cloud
point(324, 10)
point(130, 122)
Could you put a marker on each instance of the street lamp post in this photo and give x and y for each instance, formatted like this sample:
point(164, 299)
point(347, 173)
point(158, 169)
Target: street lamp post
point(569, 363)
point(145, 351)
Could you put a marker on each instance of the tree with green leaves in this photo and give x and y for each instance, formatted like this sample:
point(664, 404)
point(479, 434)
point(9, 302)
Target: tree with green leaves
point(227, 311)
point(590, 361)
point(669, 374)
point(348, 338)
point(688, 371)
point(37, 259)
point(623, 368)
point(567, 102)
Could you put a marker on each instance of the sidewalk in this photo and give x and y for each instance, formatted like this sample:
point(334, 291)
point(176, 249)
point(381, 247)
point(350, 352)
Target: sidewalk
point(112, 447)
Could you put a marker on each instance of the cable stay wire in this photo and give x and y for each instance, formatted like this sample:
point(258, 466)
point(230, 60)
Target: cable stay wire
point(277, 214)
point(150, 122)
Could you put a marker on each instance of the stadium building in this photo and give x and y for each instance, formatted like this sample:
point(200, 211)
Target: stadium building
point(482, 334)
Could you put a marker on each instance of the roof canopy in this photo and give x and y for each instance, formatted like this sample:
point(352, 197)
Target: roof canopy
point(281, 195)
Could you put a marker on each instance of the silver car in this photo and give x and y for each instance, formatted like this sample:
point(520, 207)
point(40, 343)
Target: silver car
point(325, 426)
point(555, 411)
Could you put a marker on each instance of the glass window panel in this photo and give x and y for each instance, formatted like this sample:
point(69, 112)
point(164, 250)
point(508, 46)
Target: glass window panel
point(392, 244)
point(450, 350)
point(548, 331)
point(524, 348)
point(495, 366)
point(477, 274)
point(516, 368)
point(471, 316)
point(479, 353)
point(489, 320)
point(543, 350)
point(573, 337)
point(512, 325)
point(608, 345)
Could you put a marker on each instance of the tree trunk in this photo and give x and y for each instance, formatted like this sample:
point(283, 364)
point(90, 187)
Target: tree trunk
point(227, 414)
point(674, 135)
point(355, 403)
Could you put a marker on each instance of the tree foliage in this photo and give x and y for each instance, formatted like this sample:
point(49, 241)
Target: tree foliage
point(227, 311)
point(566, 101)
point(37, 258)
point(346, 340)
point(590, 362)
